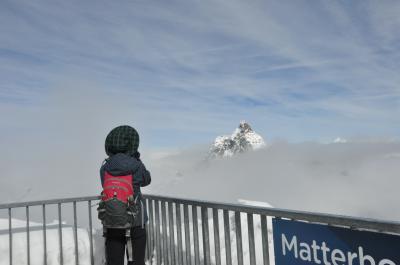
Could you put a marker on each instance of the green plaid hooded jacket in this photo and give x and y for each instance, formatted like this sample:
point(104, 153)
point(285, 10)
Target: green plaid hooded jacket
point(121, 146)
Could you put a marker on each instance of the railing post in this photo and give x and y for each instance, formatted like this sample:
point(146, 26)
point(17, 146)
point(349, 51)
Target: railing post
point(227, 233)
point(76, 235)
point(187, 234)
point(151, 231)
point(252, 248)
point(158, 238)
point(10, 239)
point(238, 226)
point(147, 256)
point(196, 235)
point(60, 234)
point(265, 239)
point(90, 232)
point(216, 237)
point(179, 232)
point(44, 235)
point(164, 232)
point(28, 243)
point(171, 232)
point(206, 237)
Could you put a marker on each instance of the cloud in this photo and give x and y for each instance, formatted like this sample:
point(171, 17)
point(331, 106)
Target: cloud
point(358, 179)
point(55, 150)
point(184, 60)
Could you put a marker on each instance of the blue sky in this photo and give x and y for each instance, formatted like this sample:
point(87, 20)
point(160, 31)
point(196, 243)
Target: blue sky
point(183, 72)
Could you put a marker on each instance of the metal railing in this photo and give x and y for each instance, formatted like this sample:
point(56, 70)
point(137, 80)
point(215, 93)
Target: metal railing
point(45, 227)
point(161, 232)
point(191, 232)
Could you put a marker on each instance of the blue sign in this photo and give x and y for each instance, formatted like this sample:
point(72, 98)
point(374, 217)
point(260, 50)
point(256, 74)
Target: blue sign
point(299, 243)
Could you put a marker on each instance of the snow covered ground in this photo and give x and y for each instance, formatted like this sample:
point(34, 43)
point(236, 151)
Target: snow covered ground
point(19, 244)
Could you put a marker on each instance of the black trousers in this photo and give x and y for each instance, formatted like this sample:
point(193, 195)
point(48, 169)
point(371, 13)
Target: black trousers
point(116, 243)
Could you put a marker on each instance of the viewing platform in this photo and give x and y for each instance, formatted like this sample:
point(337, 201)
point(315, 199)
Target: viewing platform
point(179, 231)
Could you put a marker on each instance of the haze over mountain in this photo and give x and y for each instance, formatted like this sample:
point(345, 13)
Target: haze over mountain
point(350, 178)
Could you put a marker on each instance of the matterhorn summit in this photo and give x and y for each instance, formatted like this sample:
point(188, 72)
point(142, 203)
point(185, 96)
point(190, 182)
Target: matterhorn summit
point(242, 139)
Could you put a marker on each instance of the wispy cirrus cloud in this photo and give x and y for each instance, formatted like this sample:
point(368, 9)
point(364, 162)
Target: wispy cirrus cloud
point(297, 70)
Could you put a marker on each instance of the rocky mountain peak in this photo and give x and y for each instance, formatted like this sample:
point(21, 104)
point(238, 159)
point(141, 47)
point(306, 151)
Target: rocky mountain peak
point(244, 127)
point(241, 140)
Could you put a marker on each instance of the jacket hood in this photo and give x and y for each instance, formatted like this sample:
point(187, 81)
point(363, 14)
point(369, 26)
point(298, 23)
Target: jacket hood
point(122, 139)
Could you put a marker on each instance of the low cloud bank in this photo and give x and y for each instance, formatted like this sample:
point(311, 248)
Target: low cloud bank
point(358, 179)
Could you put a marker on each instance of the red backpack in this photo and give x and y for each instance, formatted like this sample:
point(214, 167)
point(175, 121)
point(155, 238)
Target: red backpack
point(119, 187)
point(117, 208)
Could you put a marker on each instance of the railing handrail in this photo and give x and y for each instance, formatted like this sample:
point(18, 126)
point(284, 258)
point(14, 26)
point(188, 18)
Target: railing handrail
point(331, 219)
point(47, 202)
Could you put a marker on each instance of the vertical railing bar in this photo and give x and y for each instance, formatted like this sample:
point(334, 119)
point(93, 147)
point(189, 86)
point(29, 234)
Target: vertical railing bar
point(206, 237)
point(10, 239)
point(161, 233)
point(164, 251)
point(151, 230)
point(216, 237)
point(196, 235)
point(168, 238)
point(76, 235)
point(239, 247)
point(179, 234)
point(158, 240)
point(164, 229)
point(171, 228)
point(265, 240)
point(60, 234)
point(187, 234)
point(171, 232)
point(170, 243)
point(227, 233)
point(146, 249)
point(252, 248)
point(28, 241)
point(147, 256)
point(90, 232)
point(44, 234)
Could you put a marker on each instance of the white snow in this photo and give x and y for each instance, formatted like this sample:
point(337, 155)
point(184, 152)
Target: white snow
point(19, 243)
point(255, 203)
point(223, 143)
point(255, 140)
point(258, 231)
